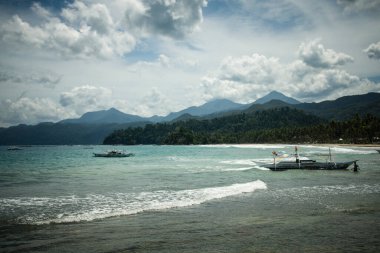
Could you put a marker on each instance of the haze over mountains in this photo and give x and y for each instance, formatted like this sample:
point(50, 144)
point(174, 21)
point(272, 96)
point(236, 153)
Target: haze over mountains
point(93, 127)
point(215, 106)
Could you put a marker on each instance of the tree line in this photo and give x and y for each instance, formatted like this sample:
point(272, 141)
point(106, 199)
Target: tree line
point(278, 125)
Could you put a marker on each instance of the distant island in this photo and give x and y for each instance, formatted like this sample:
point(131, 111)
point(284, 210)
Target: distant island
point(273, 118)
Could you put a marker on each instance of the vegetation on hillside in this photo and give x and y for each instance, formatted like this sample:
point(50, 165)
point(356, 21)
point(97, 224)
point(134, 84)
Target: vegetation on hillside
point(269, 126)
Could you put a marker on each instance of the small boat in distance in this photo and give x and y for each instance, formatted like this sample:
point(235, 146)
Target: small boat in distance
point(13, 148)
point(294, 161)
point(113, 153)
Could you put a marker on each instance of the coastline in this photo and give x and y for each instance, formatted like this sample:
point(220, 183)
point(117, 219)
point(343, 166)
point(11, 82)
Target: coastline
point(349, 145)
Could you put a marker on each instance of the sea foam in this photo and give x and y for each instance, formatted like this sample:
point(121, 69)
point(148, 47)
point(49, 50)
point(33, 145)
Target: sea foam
point(66, 209)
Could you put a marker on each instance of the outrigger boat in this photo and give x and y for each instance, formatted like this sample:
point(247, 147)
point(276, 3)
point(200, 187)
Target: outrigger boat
point(113, 153)
point(14, 148)
point(286, 162)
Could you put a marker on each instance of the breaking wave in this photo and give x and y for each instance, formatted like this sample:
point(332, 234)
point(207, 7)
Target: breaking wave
point(66, 209)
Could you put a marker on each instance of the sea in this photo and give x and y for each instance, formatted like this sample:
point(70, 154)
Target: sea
point(207, 198)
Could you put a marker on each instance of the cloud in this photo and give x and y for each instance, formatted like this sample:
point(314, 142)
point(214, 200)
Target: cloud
point(84, 29)
point(373, 51)
point(314, 76)
point(241, 78)
point(86, 98)
point(47, 79)
point(278, 15)
point(316, 84)
point(170, 18)
point(16, 30)
point(315, 55)
point(30, 111)
point(81, 31)
point(71, 104)
point(155, 102)
point(359, 5)
point(95, 16)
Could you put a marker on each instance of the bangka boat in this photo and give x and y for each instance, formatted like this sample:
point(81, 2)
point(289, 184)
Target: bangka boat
point(295, 161)
point(113, 153)
point(13, 148)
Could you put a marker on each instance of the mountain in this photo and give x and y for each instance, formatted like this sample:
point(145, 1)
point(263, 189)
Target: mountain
point(215, 106)
point(344, 107)
point(274, 103)
point(274, 95)
point(59, 134)
point(340, 109)
point(93, 127)
point(104, 117)
point(255, 127)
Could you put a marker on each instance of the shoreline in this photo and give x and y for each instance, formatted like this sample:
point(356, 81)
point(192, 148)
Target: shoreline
point(348, 145)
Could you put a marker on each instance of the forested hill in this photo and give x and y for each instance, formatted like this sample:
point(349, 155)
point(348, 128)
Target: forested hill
point(279, 125)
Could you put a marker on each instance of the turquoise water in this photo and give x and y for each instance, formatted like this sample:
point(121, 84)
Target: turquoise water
point(186, 199)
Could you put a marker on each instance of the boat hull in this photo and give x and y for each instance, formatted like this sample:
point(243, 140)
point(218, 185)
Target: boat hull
point(309, 166)
point(113, 155)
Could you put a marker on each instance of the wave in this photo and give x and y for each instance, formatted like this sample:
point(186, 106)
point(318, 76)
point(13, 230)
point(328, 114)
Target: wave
point(341, 150)
point(245, 168)
point(263, 160)
point(324, 191)
point(68, 209)
point(238, 169)
point(253, 146)
point(239, 162)
point(261, 168)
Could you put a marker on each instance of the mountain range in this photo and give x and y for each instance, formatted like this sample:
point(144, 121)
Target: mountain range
point(93, 127)
point(217, 106)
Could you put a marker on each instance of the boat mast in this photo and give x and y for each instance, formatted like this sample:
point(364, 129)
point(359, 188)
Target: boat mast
point(330, 158)
point(297, 158)
point(274, 153)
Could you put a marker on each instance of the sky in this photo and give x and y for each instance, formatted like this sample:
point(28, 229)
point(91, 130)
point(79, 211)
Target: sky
point(60, 59)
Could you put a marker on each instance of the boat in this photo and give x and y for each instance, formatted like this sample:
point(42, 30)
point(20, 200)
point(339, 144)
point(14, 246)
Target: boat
point(113, 153)
point(13, 148)
point(295, 161)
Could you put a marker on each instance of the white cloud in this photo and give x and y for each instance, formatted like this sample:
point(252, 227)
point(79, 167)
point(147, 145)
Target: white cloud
point(316, 84)
point(30, 111)
point(81, 31)
point(86, 98)
point(360, 5)
point(95, 16)
point(314, 76)
point(171, 18)
point(373, 51)
point(18, 31)
point(243, 78)
point(72, 104)
point(45, 78)
point(85, 29)
point(154, 102)
point(314, 54)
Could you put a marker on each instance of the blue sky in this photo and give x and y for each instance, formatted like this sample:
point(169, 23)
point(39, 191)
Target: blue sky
point(60, 59)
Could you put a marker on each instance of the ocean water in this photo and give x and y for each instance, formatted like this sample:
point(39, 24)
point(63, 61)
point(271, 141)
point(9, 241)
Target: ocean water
point(213, 198)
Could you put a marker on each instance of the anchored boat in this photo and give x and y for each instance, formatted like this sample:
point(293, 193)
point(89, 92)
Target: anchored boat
point(295, 161)
point(113, 153)
point(14, 148)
